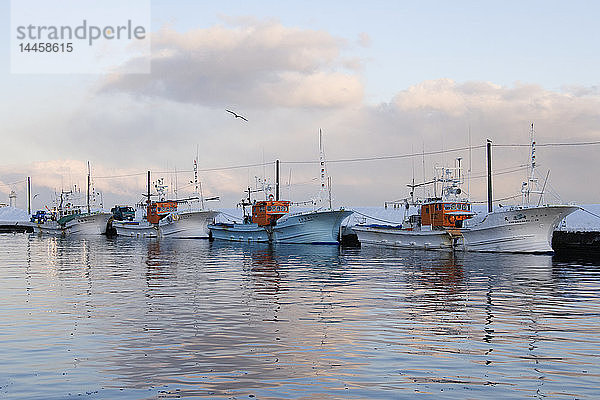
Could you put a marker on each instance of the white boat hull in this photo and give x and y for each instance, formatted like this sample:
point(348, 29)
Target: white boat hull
point(84, 224)
point(318, 227)
point(88, 224)
point(187, 224)
point(396, 237)
point(181, 225)
point(49, 228)
point(142, 229)
point(523, 230)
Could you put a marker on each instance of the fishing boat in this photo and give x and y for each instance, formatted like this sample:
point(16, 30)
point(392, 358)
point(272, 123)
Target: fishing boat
point(271, 221)
point(166, 219)
point(181, 218)
point(449, 224)
point(68, 217)
point(524, 228)
point(432, 223)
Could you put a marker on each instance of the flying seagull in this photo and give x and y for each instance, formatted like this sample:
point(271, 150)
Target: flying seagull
point(236, 115)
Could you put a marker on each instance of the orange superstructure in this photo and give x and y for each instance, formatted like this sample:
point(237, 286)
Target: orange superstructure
point(265, 213)
point(160, 209)
point(445, 214)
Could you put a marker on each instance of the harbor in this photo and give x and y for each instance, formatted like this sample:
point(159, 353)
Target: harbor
point(299, 200)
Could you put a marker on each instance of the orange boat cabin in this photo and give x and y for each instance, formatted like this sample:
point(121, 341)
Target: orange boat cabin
point(160, 209)
point(265, 213)
point(439, 215)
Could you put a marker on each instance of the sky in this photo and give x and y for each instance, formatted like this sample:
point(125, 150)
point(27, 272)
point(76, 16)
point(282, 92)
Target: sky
point(379, 79)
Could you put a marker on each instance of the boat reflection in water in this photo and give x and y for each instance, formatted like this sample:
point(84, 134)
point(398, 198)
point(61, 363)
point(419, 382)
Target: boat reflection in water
point(150, 318)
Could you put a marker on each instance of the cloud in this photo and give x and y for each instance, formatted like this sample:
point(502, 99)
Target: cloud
point(289, 83)
point(161, 134)
point(252, 64)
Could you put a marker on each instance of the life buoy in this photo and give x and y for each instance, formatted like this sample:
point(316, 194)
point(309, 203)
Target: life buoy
point(271, 197)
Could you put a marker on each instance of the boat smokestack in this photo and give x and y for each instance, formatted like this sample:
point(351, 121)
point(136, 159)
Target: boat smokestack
point(277, 180)
point(489, 175)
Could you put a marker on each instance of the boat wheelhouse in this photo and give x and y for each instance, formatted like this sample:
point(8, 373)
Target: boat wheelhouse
point(266, 213)
point(438, 214)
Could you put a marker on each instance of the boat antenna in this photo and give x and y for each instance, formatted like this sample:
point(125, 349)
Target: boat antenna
point(290, 185)
point(424, 178)
point(176, 187)
point(412, 189)
point(88, 187)
point(470, 165)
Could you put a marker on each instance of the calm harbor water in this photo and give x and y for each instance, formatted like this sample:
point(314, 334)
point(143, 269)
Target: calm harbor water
point(119, 318)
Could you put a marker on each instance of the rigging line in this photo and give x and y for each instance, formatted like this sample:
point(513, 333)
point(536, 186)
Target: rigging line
point(376, 158)
point(120, 176)
point(185, 171)
point(235, 218)
point(14, 183)
point(591, 213)
point(238, 166)
point(504, 198)
point(596, 142)
point(262, 164)
point(500, 173)
point(377, 219)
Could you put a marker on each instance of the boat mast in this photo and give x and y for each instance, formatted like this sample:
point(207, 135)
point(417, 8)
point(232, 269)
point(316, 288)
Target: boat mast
point(148, 195)
point(531, 185)
point(28, 195)
point(276, 179)
point(197, 183)
point(489, 175)
point(470, 164)
point(324, 180)
point(424, 177)
point(412, 189)
point(88, 188)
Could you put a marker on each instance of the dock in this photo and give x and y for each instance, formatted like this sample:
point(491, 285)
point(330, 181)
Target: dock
point(16, 227)
point(576, 243)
